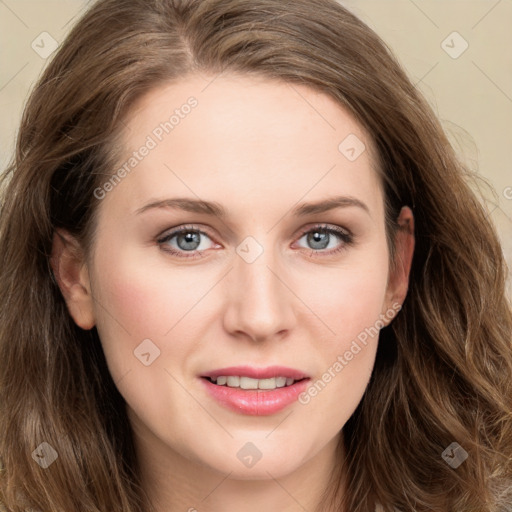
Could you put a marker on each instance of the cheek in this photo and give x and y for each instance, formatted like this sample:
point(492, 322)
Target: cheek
point(146, 316)
point(347, 299)
point(141, 297)
point(350, 305)
point(133, 303)
point(353, 314)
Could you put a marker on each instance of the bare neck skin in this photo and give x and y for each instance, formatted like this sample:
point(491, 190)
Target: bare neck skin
point(176, 483)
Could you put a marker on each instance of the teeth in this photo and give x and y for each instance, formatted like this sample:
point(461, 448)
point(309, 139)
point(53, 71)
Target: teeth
point(267, 384)
point(233, 381)
point(248, 383)
point(281, 382)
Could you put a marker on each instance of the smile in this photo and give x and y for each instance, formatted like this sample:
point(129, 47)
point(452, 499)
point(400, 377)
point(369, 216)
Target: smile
point(253, 391)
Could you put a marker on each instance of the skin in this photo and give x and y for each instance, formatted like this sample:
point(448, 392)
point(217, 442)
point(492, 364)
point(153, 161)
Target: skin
point(259, 148)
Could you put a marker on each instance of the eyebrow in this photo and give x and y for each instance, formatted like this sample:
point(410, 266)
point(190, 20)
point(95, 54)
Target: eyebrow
point(217, 210)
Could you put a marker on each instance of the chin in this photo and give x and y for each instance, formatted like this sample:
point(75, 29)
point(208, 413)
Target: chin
point(258, 460)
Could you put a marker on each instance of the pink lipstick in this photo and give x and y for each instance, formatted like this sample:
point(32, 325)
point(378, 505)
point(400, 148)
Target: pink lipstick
point(255, 391)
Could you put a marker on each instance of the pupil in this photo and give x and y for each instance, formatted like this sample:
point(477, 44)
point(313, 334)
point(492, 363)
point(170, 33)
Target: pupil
point(189, 238)
point(316, 238)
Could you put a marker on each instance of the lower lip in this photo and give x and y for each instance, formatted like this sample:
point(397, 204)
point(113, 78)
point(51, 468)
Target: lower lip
point(255, 402)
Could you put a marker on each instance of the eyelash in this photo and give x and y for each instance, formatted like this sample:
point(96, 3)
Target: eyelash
point(346, 237)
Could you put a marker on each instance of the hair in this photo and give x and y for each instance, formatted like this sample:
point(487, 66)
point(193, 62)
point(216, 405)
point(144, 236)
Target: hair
point(443, 371)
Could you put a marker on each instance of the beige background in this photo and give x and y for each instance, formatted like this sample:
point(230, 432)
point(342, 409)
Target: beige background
point(472, 93)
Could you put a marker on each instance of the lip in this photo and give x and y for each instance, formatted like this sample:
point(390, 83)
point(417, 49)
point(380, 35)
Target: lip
point(256, 402)
point(258, 373)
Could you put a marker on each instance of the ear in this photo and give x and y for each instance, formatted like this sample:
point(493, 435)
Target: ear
point(72, 276)
point(398, 280)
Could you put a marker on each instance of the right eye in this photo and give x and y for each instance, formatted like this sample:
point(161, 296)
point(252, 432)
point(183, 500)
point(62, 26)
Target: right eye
point(186, 239)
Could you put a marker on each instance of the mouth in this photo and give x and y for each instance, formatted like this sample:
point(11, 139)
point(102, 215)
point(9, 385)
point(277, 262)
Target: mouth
point(253, 391)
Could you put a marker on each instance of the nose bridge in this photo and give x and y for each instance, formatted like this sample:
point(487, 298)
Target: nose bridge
point(261, 305)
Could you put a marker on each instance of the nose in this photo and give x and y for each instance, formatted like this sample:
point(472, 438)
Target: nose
point(260, 303)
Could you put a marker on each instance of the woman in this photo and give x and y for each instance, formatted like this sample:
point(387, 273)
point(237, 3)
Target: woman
point(242, 268)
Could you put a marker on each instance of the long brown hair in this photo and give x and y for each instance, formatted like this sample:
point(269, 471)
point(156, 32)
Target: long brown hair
point(443, 372)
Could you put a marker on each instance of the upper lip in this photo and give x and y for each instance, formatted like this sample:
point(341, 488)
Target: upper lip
point(257, 373)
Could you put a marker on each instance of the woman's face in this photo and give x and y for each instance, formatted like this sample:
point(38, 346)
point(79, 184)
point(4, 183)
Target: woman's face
point(293, 274)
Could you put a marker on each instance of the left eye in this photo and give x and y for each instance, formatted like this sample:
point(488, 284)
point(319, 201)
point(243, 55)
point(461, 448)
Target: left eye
point(321, 237)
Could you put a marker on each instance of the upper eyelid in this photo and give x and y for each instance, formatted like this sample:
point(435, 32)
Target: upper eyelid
point(172, 232)
point(326, 226)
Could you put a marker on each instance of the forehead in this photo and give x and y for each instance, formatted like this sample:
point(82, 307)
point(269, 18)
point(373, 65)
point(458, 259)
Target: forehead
point(237, 138)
